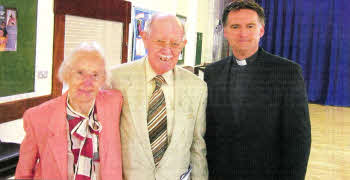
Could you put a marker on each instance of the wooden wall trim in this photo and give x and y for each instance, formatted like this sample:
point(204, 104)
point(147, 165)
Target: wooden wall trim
point(113, 10)
point(125, 42)
point(15, 109)
point(58, 53)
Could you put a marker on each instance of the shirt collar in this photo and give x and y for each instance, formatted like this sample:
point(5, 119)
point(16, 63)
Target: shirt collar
point(150, 74)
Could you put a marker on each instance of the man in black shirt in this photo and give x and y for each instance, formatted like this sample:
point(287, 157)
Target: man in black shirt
point(258, 125)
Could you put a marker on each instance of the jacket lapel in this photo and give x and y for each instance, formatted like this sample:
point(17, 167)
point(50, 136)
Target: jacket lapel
point(103, 139)
point(57, 140)
point(136, 94)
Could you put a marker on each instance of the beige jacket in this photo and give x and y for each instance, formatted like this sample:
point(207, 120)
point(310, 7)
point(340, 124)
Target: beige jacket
point(187, 146)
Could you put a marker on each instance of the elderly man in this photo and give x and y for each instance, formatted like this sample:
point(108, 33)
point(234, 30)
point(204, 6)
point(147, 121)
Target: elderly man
point(75, 136)
point(258, 125)
point(163, 117)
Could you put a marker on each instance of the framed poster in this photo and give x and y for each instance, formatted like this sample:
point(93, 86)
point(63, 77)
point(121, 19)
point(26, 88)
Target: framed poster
point(8, 28)
point(18, 46)
point(140, 18)
point(3, 32)
point(11, 28)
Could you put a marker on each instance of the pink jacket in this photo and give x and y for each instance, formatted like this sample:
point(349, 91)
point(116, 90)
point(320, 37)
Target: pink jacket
point(43, 153)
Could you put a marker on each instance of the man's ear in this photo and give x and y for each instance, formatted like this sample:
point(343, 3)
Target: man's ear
point(184, 43)
point(262, 31)
point(144, 36)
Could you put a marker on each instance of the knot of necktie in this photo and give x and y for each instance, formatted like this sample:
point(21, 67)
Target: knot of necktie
point(159, 81)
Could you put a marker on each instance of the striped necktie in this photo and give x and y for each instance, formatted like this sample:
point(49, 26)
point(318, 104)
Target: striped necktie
point(157, 121)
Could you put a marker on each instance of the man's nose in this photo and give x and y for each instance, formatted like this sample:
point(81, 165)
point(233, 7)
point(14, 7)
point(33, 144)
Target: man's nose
point(244, 32)
point(166, 49)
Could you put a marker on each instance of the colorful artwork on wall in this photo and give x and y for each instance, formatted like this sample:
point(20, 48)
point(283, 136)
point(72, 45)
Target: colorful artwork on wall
point(8, 29)
point(140, 17)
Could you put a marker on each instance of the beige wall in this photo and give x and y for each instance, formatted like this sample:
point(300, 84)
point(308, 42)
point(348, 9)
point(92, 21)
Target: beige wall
point(12, 131)
point(181, 7)
point(204, 26)
point(203, 20)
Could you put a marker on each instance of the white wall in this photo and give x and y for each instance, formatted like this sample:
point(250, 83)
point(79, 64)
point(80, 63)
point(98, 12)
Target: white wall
point(206, 25)
point(182, 7)
point(12, 131)
point(200, 12)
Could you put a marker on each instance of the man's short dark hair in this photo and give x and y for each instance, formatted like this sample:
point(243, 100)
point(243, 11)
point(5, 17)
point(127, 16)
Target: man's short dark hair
point(243, 4)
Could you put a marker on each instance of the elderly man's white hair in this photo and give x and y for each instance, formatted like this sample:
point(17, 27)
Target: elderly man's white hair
point(148, 23)
point(83, 47)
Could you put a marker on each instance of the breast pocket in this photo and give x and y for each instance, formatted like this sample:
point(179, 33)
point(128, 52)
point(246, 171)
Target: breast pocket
point(187, 127)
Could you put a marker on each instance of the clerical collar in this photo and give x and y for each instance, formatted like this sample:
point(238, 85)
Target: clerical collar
point(241, 62)
point(248, 60)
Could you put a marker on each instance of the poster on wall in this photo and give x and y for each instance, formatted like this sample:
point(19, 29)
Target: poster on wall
point(8, 29)
point(140, 17)
point(18, 46)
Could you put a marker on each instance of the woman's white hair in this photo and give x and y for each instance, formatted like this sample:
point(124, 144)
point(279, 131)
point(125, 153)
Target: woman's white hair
point(83, 47)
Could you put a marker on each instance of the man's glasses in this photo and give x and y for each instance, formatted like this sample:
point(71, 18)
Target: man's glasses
point(171, 44)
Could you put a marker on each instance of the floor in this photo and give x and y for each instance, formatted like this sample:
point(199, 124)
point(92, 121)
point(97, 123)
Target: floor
point(330, 150)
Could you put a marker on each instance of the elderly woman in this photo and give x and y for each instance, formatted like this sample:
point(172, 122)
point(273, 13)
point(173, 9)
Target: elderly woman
point(75, 136)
